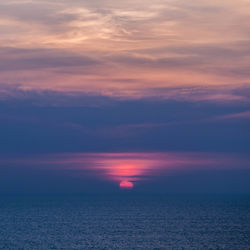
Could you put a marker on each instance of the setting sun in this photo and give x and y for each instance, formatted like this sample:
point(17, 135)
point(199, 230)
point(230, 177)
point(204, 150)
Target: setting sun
point(126, 185)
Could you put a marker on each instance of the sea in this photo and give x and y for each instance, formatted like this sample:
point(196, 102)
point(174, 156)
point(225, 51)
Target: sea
point(125, 221)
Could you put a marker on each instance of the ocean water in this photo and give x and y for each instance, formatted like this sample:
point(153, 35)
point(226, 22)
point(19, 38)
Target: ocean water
point(125, 221)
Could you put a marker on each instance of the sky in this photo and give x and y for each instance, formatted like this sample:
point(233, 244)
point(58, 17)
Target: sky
point(124, 96)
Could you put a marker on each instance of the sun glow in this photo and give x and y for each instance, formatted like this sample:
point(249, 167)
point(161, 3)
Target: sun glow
point(130, 170)
point(125, 174)
point(126, 185)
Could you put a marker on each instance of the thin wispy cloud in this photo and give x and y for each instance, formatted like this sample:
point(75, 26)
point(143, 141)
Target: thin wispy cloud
point(49, 44)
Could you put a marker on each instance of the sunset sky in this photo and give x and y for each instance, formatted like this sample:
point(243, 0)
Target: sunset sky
point(104, 95)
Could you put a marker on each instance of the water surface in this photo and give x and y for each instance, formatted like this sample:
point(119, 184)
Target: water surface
point(125, 221)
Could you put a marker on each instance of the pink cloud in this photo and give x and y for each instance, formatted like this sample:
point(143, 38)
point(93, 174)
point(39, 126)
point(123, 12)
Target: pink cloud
point(131, 167)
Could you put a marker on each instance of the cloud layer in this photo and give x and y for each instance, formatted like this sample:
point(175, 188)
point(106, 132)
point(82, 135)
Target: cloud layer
point(124, 48)
point(168, 172)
